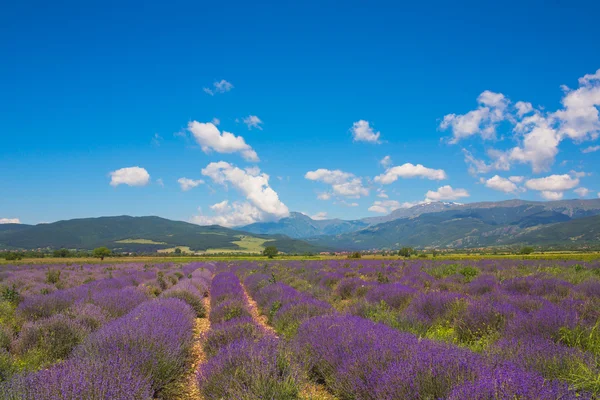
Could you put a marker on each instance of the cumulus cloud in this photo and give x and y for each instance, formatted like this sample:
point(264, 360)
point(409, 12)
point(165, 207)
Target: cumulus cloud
point(579, 119)
point(131, 176)
point(550, 195)
point(319, 216)
point(324, 196)
point(582, 192)
point(363, 132)
point(382, 194)
point(253, 185)
point(538, 133)
point(229, 215)
point(481, 121)
point(342, 183)
point(523, 108)
point(221, 86)
point(555, 183)
point(500, 162)
point(590, 149)
point(252, 121)
point(207, 135)
point(516, 179)
point(552, 187)
point(187, 183)
point(501, 184)
point(10, 221)
point(540, 143)
point(386, 161)
point(446, 193)
point(409, 170)
point(385, 207)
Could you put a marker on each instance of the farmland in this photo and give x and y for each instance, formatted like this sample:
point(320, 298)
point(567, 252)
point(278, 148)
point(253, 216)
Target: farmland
point(478, 328)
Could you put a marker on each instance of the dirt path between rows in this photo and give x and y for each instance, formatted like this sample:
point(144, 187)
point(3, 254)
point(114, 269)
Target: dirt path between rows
point(311, 391)
point(189, 389)
point(256, 315)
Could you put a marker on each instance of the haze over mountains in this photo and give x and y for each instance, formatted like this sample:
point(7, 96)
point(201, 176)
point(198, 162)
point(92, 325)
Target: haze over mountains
point(565, 223)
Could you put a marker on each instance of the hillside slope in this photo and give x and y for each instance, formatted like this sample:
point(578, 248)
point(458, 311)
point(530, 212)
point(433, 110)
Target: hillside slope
point(126, 233)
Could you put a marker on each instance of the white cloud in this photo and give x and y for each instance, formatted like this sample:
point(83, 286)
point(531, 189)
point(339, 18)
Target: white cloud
point(540, 143)
point(131, 176)
point(10, 221)
point(209, 138)
point(324, 196)
point(538, 133)
point(481, 121)
point(363, 132)
point(382, 194)
point(409, 170)
point(578, 174)
point(160, 182)
point(550, 195)
point(342, 183)
point(229, 215)
point(501, 184)
point(579, 119)
point(590, 149)
point(523, 108)
point(216, 121)
point(156, 140)
point(385, 206)
point(254, 186)
point(319, 216)
point(554, 183)
point(386, 161)
point(446, 193)
point(187, 183)
point(221, 86)
point(252, 121)
point(501, 162)
point(516, 179)
point(582, 192)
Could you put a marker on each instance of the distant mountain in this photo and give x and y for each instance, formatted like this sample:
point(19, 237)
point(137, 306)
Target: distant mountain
point(126, 233)
point(479, 225)
point(413, 211)
point(298, 225)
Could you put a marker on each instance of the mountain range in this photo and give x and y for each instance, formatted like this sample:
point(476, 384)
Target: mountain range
point(147, 234)
point(565, 223)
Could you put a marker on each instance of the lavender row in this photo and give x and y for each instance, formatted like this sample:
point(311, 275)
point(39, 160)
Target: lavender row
point(245, 361)
point(135, 356)
point(38, 330)
point(424, 309)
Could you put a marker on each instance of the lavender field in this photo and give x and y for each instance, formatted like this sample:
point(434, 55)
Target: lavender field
point(343, 329)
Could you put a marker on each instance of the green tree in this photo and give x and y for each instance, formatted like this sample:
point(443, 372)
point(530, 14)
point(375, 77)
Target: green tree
point(270, 251)
point(101, 252)
point(178, 251)
point(527, 250)
point(62, 253)
point(406, 252)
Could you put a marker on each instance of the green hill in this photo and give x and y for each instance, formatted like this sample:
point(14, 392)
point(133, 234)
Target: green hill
point(126, 233)
point(478, 227)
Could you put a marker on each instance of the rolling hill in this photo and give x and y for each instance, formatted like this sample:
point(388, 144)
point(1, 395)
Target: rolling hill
point(462, 227)
point(126, 233)
point(298, 225)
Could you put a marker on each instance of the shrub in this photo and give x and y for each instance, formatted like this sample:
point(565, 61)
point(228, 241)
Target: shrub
point(262, 370)
point(157, 335)
point(228, 310)
point(115, 377)
point(54, 337)
point(222, 334)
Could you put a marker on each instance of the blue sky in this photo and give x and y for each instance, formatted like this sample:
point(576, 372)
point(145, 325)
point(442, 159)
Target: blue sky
point(467, 96)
